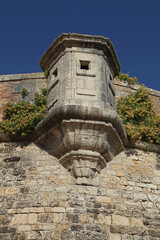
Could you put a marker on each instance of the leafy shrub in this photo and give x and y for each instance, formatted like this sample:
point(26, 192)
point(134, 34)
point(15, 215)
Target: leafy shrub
point(24, 92)
point(21, 118)
point(139, 118)
point(125, 77)
point(46, 72)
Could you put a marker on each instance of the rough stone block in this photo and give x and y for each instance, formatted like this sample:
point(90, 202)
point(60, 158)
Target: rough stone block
point(1, 191)
point(32, 218)
point(120, 220)
point(103, 199)
point(86, 218)
point(32, 210)
point(12, 191)
point(102, 219)
point(136, 221)
point(114, 236)
point(20, 219)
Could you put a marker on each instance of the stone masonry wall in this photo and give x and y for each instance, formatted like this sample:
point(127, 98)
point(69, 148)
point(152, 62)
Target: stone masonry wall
point(12, 85)
point(40, 200)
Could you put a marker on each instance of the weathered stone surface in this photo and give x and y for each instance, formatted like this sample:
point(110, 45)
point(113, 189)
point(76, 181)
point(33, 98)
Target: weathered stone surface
point(53, 209)
point(20, 219)
point(120, 220)
point(81, 91)
point(114, 236)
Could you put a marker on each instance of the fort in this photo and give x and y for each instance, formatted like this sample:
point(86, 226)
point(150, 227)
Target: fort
point(78, 176)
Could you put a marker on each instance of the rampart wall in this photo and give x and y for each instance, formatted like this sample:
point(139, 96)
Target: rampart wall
point(123, 89)
point(12, 85)
point(40, 200)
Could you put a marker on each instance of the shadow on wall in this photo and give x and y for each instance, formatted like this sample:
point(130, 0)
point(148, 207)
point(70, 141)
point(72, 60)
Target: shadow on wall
point(158, 162)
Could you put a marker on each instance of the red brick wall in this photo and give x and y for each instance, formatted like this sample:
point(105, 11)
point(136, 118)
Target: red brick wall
point(6, 94)
point(11, 85)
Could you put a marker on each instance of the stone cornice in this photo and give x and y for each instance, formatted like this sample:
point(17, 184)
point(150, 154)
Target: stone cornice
point(80, 40)
point(75, 112)
point(22, 76)
point(83, 113)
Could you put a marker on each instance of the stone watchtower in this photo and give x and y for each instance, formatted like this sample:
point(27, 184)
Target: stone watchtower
point(82, 128)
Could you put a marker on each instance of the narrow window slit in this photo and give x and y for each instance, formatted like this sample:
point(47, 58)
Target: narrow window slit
point(55, 73)
point(84, 65)
point(110, 77)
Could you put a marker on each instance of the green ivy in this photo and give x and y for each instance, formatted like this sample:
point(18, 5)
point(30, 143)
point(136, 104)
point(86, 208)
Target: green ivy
point(139, 118)
point(21, 118)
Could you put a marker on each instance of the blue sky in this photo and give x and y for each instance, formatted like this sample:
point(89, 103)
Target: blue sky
point(27, 28)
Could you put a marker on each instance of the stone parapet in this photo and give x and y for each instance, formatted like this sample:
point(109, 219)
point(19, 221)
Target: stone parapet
point(80, 113)
point(22, 76)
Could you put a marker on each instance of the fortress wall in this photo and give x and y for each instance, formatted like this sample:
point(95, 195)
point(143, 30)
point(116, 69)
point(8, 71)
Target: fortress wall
point(123, 89)
point(40, 200)
point(7, 94)
point(12, 85)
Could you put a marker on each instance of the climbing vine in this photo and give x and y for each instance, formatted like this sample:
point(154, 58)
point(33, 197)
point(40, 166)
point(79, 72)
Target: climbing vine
point(139, 118)
point(125, 77)
point(21, 118)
